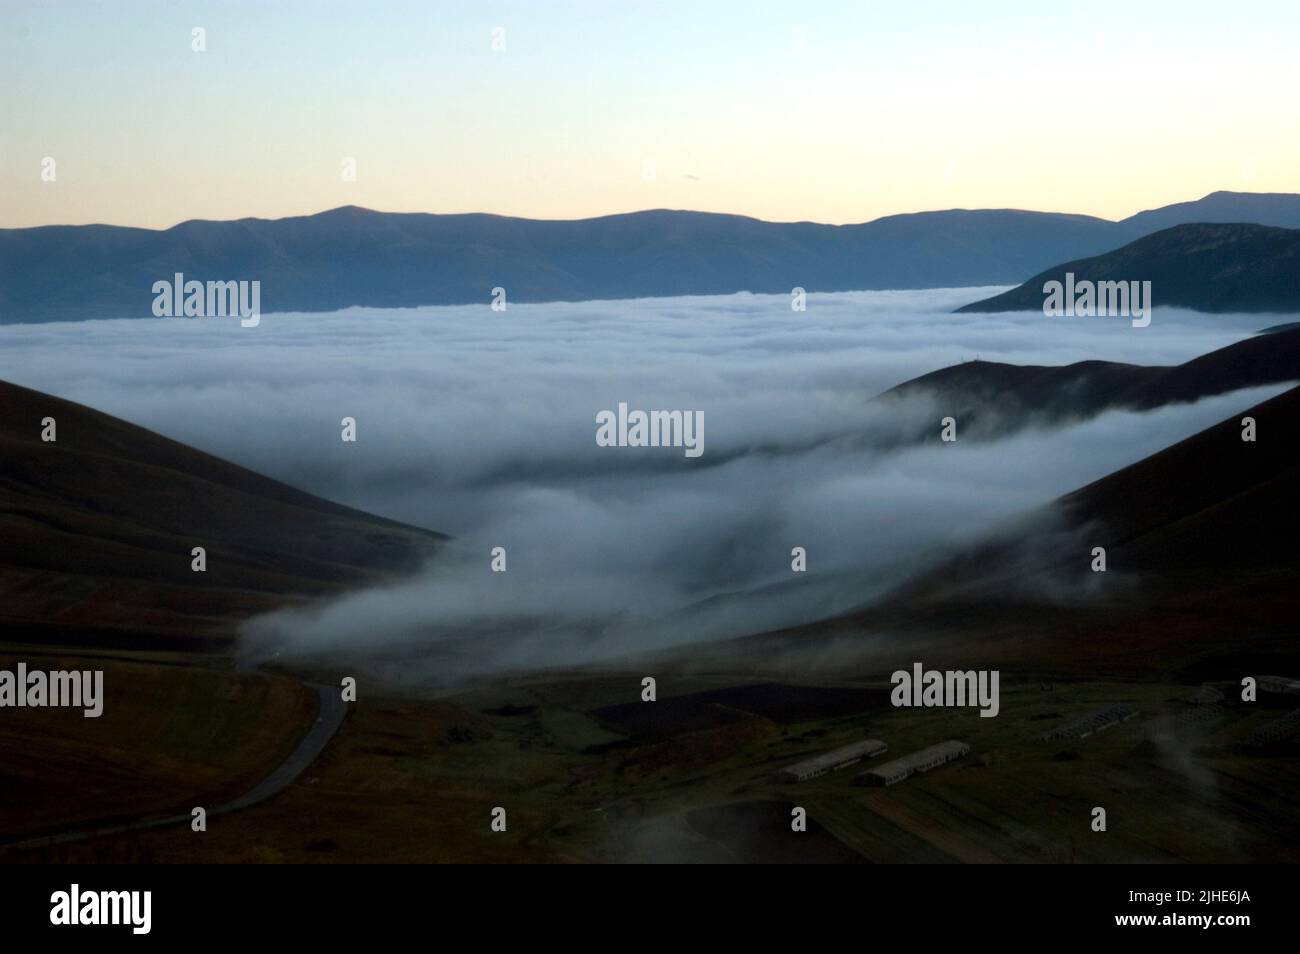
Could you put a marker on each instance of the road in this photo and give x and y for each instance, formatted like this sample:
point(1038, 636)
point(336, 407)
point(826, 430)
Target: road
point(328, 721)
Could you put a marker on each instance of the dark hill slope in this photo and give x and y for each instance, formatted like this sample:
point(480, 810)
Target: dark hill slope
point(991, 399)
point(1210, 268)
point(1203, 579)
point(99, 527)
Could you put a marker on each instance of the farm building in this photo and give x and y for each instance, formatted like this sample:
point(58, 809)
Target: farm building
point(834, 759)
point(1086, 726)
point(921, 761)
point(1279, 684)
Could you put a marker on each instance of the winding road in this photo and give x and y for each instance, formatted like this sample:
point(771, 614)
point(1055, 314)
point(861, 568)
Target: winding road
point(328, 720)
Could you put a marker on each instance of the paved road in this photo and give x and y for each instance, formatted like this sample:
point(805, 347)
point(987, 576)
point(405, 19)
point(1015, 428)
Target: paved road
point(328, 720)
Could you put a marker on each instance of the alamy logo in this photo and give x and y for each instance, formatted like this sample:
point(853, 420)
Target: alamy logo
point(103, 907)
point(194, 299)
point(1089, 299)
point(922, 687)
point(651, 429)
point(77, 689)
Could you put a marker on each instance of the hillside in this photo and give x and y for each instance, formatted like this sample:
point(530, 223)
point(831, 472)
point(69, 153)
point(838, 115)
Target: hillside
point(99, 527)
point(1203, 574)
point(990, 399)
point(1279, 209)
point(1210, 268)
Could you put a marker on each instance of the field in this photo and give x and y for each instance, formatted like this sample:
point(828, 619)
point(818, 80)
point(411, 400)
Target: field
point(415, 779)
point(173, 734)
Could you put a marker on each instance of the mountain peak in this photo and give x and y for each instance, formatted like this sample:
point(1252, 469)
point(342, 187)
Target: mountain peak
point(1209, 266)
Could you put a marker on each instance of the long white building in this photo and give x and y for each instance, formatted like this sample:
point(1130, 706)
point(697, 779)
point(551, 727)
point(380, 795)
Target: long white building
point(834, 759)
point(1282, 685)
point(928, 758)
point(1087, 725)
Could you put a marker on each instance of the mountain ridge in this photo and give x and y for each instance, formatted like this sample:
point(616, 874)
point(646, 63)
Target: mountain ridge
point(991, 399)
point(350, 256)
point(1210, 267)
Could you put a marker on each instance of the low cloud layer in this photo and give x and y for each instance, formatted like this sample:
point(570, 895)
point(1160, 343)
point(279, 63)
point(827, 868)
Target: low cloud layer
point(482, 424)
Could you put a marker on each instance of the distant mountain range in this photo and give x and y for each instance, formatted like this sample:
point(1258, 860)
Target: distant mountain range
point(352, 256)
point(1279, 209)
point(99, 526)
point(1209, 267)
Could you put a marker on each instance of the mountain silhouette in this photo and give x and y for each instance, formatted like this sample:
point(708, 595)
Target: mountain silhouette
point(1207, 267)
point(356, 257)
point(100, 525)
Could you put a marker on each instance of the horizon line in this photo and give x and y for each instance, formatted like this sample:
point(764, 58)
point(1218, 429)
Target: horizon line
point(631, 212)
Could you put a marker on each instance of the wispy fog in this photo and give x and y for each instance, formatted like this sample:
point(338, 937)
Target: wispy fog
point(482, 424)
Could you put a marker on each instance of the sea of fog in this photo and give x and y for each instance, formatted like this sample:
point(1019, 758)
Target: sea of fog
point(482, 424)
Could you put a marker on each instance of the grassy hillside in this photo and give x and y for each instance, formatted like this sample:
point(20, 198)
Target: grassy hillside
point(173, 734)
point(1211, 268)
point(99, 527)
point(989, 398)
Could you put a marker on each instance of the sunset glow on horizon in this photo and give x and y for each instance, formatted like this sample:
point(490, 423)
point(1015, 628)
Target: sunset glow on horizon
point(839, 114)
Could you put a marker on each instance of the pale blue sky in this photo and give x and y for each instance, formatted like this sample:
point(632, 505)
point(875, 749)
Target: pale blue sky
point(836, 111)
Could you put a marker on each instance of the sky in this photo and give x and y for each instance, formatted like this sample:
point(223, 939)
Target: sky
point(832, 111)
point(487, 430)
